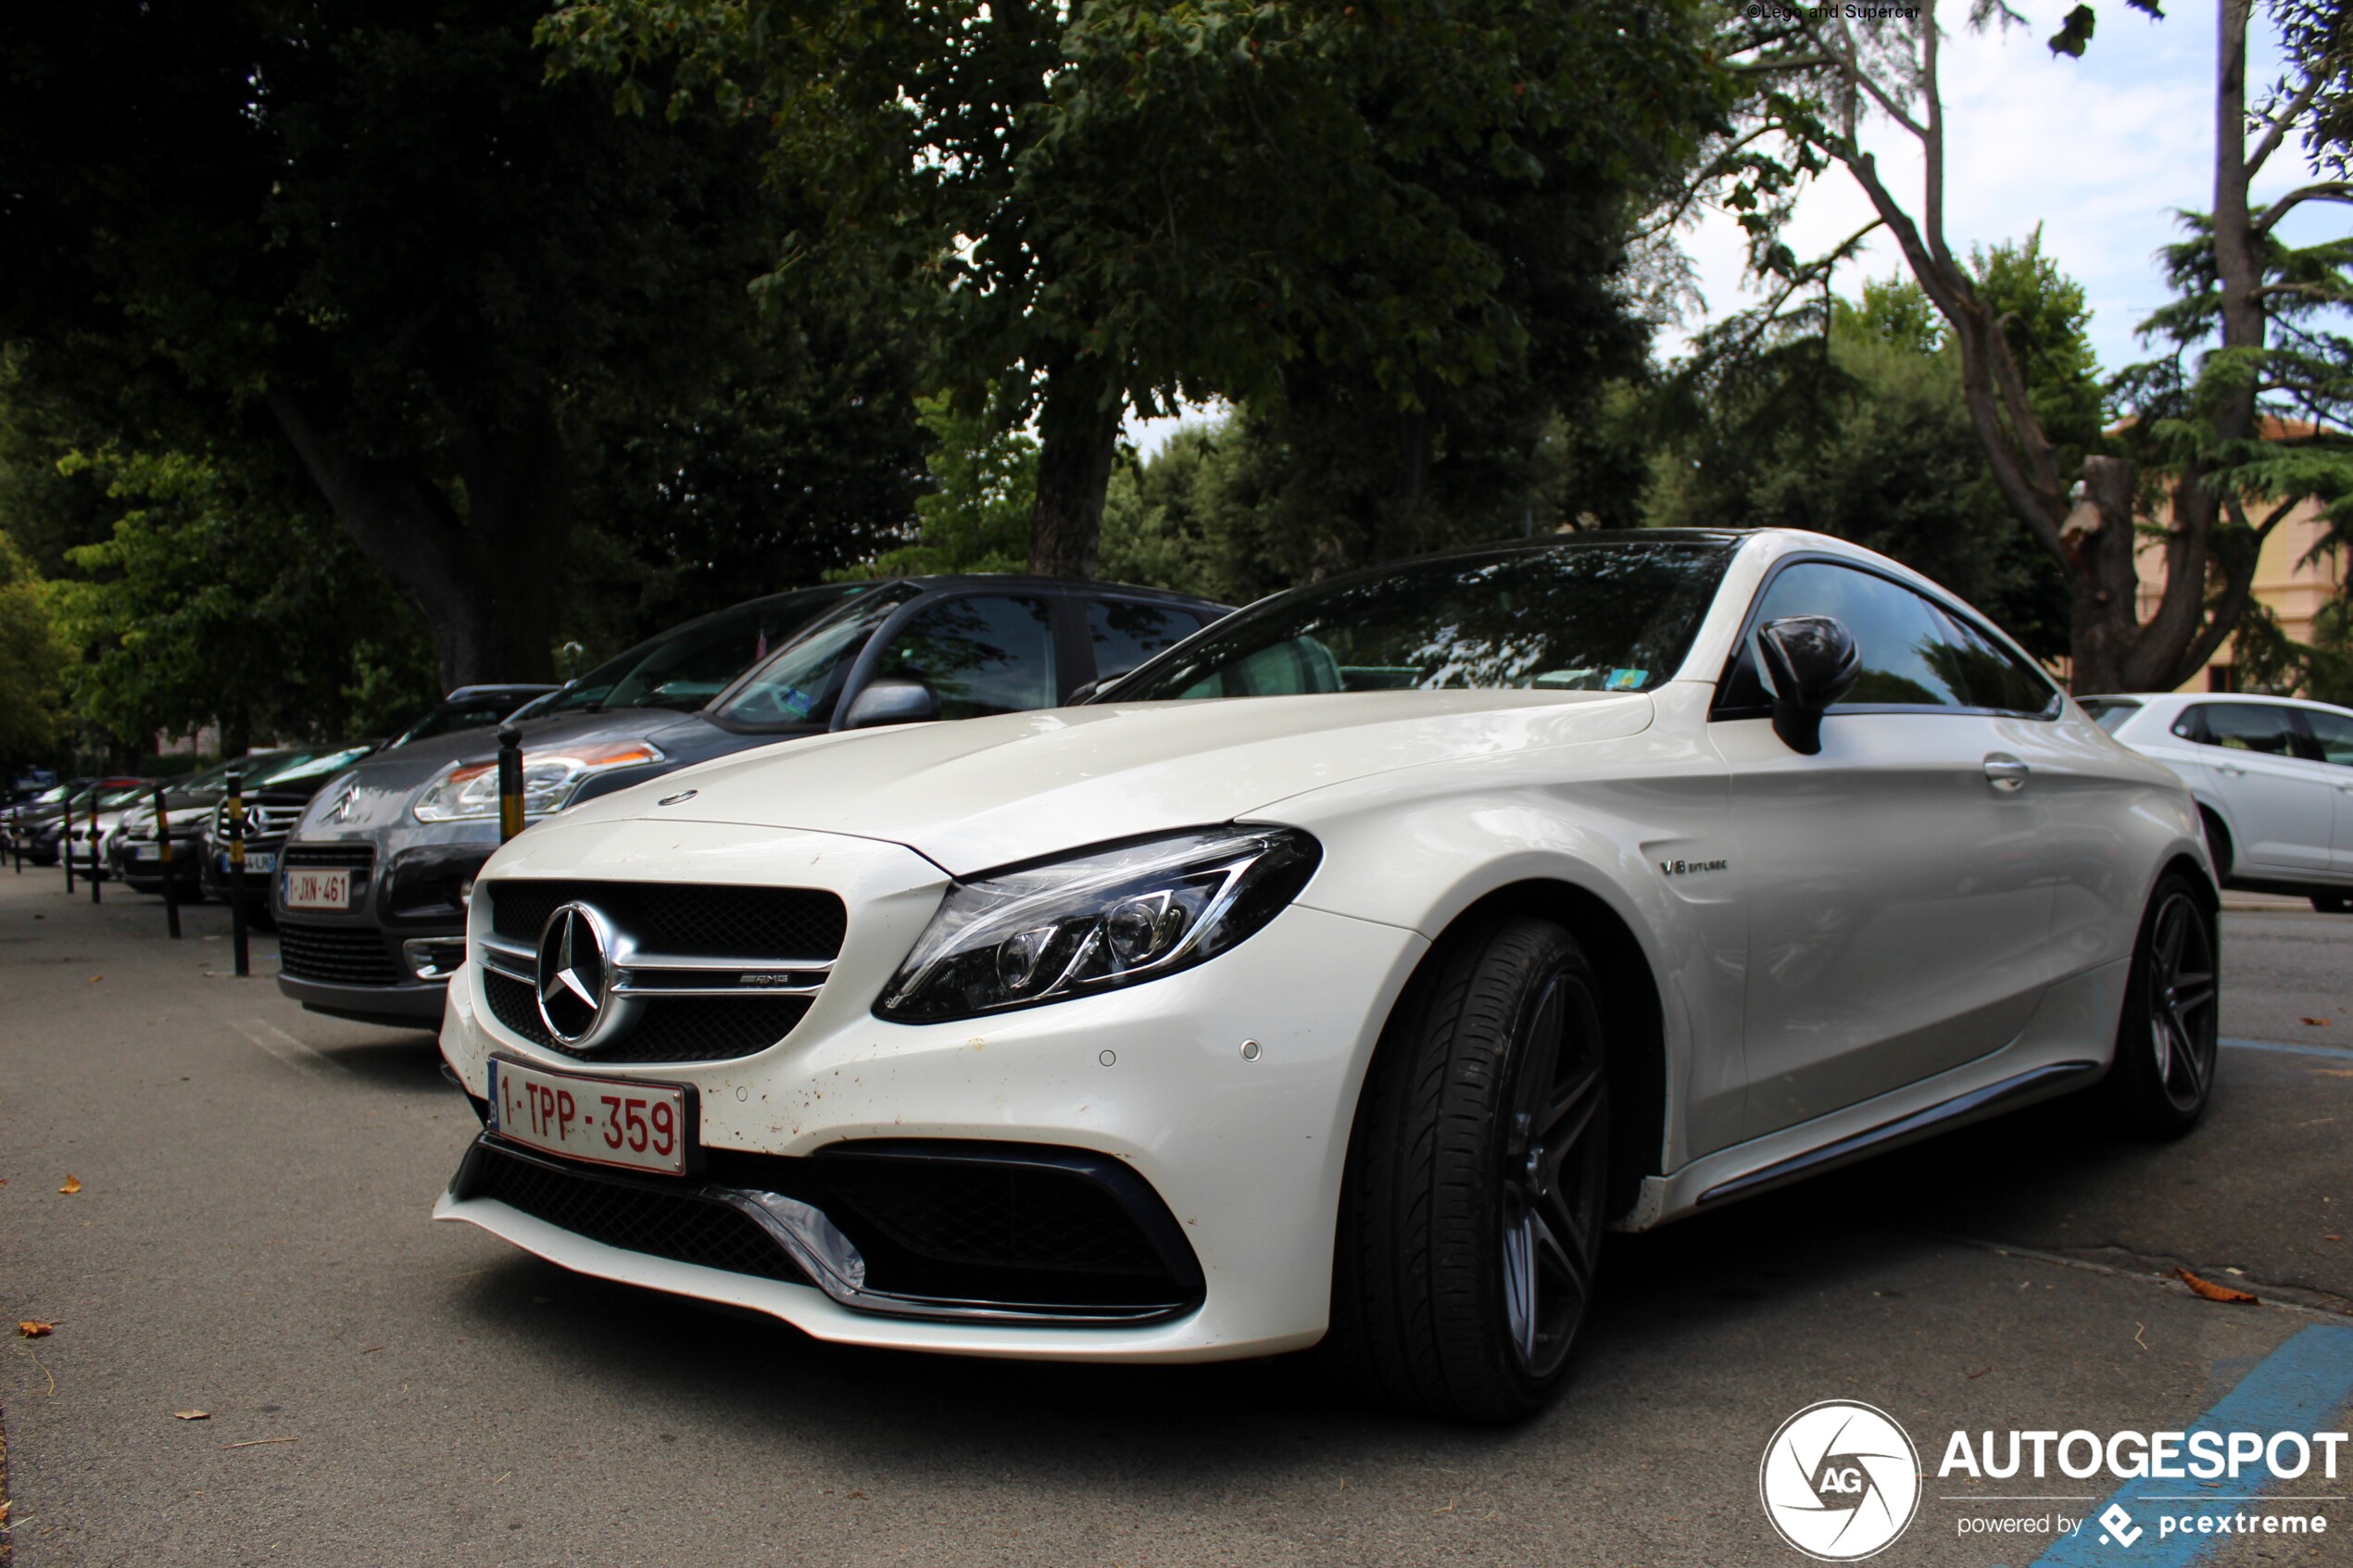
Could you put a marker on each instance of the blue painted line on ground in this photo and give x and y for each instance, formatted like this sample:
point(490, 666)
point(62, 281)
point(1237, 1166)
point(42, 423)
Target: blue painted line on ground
point(2305, 1386)
point(2282, 1047)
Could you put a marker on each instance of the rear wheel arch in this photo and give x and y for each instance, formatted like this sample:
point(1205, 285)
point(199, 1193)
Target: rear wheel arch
point(2219, 847)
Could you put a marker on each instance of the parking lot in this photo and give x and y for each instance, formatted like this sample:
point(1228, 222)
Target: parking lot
point(250, 1240)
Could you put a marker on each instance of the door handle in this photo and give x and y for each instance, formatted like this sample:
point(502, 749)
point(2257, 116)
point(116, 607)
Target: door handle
point(2233, 770)
point(2005, 773)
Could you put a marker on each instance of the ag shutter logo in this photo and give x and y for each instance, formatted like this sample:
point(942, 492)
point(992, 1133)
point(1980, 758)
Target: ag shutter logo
point(1840, 1481)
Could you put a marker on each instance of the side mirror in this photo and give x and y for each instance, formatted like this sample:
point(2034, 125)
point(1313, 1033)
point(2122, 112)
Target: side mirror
point(1808, 662)
point(891, 702)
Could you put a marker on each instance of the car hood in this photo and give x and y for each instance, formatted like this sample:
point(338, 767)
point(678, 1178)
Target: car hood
point(989, 792)
point(387, 782)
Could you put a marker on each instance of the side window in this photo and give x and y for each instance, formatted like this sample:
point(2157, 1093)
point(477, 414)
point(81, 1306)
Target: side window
point(1991, 676)
point(981, 655)
point(1126, 633)
point(2333, 733)
point(1909, 652)
point(2248, 726)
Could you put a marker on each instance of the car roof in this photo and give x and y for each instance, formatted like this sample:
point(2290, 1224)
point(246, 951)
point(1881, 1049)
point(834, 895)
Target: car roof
point(2261, 699)
point(928, 582)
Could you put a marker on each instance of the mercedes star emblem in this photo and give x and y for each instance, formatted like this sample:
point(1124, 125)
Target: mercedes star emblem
point(574, 953)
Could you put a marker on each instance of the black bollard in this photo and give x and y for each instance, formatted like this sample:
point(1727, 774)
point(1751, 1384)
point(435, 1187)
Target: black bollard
point(93, 846)
point(510, 782)
point(65, 841)
point(163, 859)
point(242, 962)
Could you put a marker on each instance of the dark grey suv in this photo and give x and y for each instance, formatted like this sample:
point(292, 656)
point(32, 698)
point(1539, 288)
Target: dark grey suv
point(370, 889)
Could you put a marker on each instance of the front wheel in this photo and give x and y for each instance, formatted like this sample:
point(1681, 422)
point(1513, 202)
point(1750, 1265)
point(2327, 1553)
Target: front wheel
point(2167, 1044)
point(1472, 1215)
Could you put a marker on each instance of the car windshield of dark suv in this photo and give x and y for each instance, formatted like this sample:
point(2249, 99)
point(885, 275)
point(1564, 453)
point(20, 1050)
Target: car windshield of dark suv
point(686, 667)
point(802, 680)
point(1603, 616)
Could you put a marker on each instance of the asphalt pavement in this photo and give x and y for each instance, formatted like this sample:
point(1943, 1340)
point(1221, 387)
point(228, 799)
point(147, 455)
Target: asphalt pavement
point(250, 1240)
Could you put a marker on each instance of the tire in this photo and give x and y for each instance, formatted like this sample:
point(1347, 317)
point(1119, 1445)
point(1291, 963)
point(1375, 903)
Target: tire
point(2331, 903)
point(1473, 1206)
point(2162, 1078)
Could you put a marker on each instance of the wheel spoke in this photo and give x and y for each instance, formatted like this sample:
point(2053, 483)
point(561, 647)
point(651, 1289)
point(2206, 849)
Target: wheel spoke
point(1519, 1284)
point(1566, 1265)
point(2172, 927)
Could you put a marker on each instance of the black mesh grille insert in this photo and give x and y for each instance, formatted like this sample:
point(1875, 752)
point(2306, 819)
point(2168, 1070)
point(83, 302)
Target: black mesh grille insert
point(334, 955)
point(681, 1225)
point(668, 1029)
point(680, 919)
point(1015, 1217)
point(329, 855)
point(513, 1005)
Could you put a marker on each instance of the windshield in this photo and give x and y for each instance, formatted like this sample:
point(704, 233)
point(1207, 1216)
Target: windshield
point(1604, 616)
point(689, 665)
point(800, 683)
point(125, 795)
point(475, 712)
point(49, 797)
point(310, 765)
point(2109, 716)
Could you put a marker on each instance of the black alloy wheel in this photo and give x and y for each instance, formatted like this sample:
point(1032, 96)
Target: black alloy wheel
point(1476, 1195)
point(2168, 1041)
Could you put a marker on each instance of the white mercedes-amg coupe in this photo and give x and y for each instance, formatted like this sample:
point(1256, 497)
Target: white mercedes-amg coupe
point(1339, 974)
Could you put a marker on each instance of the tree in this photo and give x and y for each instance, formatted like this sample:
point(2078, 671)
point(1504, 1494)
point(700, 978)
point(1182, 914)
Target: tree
point(33, 658)
point(219, 596)
point(976, 516)
point(1861, 431)
point(372, 238)
point(1126, 203)
point(1824, 78)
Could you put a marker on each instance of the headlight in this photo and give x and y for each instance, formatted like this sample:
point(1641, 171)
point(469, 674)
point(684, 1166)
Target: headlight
point(550, 780)
point(1096, 921)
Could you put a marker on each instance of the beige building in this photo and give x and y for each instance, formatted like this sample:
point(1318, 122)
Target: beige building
point(2290, 577)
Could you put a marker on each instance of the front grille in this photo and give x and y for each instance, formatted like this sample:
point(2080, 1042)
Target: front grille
point(997, 1216)
point(263, 820)
point(680, 1226)
point(668, 1029)
point(682, 919)
point(334, 955)
point(351, 855)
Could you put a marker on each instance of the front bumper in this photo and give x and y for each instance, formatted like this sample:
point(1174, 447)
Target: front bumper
point(1245, 1152)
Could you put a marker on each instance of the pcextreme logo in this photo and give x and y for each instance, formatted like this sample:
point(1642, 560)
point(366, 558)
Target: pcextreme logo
point(1840, 1481)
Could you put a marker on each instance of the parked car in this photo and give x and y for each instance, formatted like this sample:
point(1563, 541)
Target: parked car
point(133, 853)
point(86, 832)
point(31, 819)
point(2274, 780)
point(470, 708)
point(1338, 974)
point(371, 903)
point(68, 822)
point(274, 801)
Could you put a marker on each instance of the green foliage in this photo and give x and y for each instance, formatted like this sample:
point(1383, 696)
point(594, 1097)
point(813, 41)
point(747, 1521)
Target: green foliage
point(1862, 433)
point(976, 516)
point(214, 599)
point(33, 660)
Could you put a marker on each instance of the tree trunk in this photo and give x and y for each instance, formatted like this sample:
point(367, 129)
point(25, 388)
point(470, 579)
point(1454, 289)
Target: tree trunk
point(2096, 549)
point(1077, 439)
point(485, 582)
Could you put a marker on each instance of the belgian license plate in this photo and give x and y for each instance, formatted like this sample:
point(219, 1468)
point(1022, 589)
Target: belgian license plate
point(258, 862)
point(146, 852)
point(319, 890)
point(606, 1120)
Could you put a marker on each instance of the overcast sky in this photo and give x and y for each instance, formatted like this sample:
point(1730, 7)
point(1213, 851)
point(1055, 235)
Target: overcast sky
point(2101, 152)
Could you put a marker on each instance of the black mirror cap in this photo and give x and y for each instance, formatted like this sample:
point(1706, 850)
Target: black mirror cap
point(891, 701)
point(1809, 663)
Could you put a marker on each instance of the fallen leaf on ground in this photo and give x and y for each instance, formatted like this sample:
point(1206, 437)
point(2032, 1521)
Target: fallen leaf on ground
point(2318, 1023)
point(95, 978)
point(192, 1415)
point(2211, 1290)
point(33, 1330)
point(3, 1513)
point(73, 1185)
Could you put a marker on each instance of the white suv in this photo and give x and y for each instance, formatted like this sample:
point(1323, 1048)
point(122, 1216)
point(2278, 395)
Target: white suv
point(2273, 779)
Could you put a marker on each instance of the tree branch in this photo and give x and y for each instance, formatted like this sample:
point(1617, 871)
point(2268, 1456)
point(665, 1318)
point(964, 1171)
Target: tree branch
point(2326, 190)
point(2284, 121)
